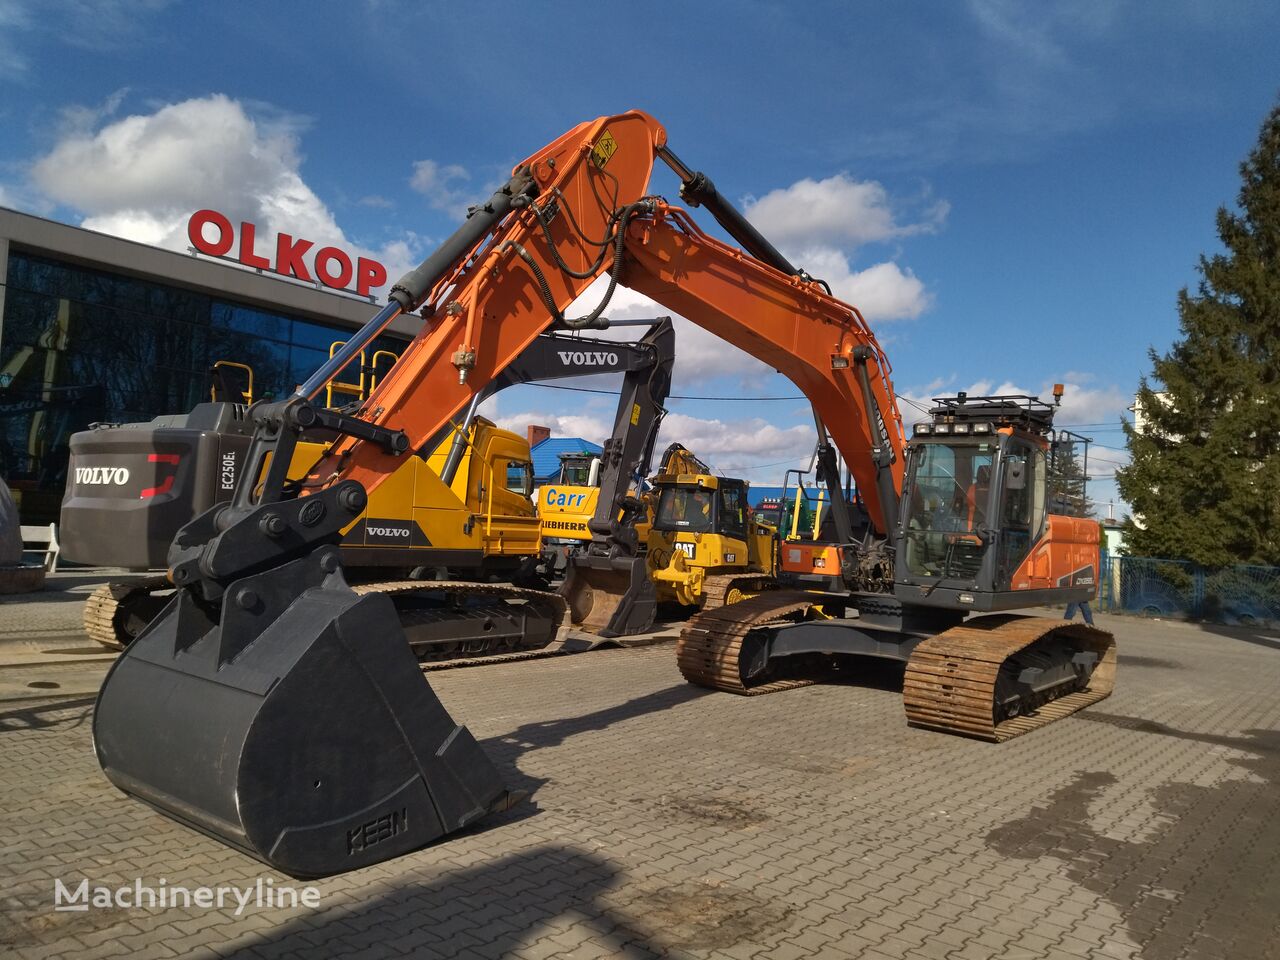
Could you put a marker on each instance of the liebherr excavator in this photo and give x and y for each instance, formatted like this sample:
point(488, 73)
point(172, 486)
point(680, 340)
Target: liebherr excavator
point(211, 715)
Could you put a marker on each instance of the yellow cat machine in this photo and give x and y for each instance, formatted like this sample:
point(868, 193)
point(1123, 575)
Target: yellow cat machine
point(461, 512)
point(211, 714)
point(568, 506)
point(705, 547)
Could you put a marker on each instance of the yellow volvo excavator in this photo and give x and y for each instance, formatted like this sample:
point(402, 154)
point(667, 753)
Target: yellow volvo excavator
point(460, 514)
point(210, 714)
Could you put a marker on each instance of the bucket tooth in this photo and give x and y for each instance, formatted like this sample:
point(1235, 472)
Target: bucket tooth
point(293, 724)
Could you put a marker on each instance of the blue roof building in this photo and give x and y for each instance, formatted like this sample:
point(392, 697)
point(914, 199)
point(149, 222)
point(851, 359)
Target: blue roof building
point(546, 456)
point(756, 494)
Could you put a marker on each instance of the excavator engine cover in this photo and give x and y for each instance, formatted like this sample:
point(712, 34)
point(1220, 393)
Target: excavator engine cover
point(292, 723)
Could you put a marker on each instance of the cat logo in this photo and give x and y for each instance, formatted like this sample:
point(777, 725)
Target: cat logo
point(686, 548)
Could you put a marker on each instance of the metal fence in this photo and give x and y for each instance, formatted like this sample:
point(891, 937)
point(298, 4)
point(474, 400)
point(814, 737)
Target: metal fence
point(1143, 586)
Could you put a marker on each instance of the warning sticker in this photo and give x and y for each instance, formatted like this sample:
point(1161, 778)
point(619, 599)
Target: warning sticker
point(604, 149)
point(635, 414)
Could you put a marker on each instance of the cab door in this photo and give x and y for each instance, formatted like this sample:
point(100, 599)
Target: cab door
point(1021, 509)
point(731, 521)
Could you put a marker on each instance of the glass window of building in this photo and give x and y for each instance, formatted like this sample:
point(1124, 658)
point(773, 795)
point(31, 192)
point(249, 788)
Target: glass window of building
point(79, 346)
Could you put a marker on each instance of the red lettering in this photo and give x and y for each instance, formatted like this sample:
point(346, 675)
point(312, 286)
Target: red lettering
point(247, 256)
point(289, 260)
point(195, 233)
point(323, 258)
point(369, 274)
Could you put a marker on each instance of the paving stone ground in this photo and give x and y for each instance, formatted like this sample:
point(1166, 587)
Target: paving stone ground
point(666, 820)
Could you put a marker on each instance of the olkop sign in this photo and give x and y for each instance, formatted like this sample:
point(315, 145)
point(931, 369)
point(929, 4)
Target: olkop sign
point(212, 234)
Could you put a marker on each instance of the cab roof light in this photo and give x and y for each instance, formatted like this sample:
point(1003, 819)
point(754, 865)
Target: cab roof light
point(960, 428)
point(982, 428)
point(923, 427)
point(942, 428)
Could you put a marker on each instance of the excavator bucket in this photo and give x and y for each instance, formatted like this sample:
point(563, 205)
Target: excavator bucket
point(610, 596)
point(292, 723)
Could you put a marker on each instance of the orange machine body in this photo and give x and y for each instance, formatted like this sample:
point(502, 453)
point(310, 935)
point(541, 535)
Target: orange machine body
point(1067, 555)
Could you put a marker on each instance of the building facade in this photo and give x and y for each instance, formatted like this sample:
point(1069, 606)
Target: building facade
point(94, 328)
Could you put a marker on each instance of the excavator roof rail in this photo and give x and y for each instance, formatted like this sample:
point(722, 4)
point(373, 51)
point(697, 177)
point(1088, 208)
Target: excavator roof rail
point(1017, 410)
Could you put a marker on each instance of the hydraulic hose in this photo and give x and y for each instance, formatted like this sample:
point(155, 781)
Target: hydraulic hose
point(645, 205)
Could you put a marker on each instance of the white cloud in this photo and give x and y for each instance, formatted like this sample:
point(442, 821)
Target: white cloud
point(88, 24)
point(591, 428)
point(752, 448)
point(13, 22)
point(446, 187)
point(142, 176)
point(881, 292)
point(838, 211)
point(735, 446)
point(820, 224)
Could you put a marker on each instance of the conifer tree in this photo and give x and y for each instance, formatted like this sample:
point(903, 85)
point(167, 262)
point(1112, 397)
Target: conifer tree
point(1068, 486)
point(1204, 481)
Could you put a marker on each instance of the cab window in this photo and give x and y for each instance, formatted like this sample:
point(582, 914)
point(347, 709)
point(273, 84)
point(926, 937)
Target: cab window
point(685, 508)
point(520, 477)
point(575, 473)
point(733, 511)
point(946, 516)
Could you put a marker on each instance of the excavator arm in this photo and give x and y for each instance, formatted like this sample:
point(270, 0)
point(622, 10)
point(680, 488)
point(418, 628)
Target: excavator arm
point(518, 282)
point(210, 715)
point(608, 587)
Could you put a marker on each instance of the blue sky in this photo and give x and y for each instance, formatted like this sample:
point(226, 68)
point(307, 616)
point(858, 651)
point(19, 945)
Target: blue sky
point(1012, 192)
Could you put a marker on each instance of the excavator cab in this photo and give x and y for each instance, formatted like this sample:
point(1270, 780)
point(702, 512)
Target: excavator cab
point(975, 527)
point(712, 505)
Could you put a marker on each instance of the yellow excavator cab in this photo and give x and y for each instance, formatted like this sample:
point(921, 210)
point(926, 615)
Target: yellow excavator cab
point(486, 513)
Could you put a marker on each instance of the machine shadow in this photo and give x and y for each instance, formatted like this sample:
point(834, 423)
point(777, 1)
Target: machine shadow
point(489, 910)
point(36, 717)
point(1253, 635)
point(506, 749)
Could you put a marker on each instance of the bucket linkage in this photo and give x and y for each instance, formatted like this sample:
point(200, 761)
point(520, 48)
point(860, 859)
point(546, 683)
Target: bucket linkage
point(272, 707)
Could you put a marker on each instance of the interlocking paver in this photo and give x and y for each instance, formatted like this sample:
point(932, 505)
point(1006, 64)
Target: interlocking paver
point(1147, 826)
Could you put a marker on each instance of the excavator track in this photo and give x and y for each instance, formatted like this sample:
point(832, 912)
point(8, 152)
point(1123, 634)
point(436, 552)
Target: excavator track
point(725, 588)
point(109, 610)
point(950, 682)
point(710, 647)
point(557, 640)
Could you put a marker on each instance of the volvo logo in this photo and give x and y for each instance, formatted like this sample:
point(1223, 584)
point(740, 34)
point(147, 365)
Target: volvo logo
point(585, 358)
point(388, 532)
point(102, 476)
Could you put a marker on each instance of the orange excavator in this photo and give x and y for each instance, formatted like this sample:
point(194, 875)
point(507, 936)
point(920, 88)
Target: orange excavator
point(210, 715)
